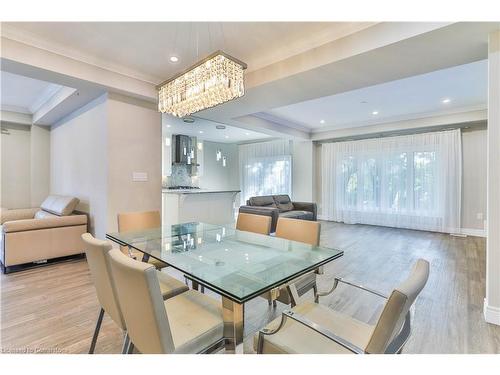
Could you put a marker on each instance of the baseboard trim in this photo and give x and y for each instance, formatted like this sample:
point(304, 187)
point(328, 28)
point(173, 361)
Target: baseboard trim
point(491, 314)
point(473, 232)
point(463, 231)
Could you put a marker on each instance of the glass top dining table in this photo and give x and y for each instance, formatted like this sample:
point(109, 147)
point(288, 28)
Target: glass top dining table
point(238, 265)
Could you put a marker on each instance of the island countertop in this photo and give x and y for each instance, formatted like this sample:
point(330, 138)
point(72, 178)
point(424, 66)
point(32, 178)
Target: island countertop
point(197, 191)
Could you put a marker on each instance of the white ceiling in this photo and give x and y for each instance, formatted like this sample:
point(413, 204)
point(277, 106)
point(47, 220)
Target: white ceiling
point(208, 130)
point(422, 95)
point(143, 49)
point(23, 94)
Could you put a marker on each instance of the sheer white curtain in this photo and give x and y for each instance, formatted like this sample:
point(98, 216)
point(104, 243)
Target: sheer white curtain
point(265, 169)
point(409, 181)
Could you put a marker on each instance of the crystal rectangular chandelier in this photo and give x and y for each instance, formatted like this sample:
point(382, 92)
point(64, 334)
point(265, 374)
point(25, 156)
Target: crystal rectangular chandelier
point(215, 80)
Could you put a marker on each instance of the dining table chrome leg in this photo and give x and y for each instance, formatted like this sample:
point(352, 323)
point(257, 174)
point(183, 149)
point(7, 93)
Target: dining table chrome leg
point(233, 316)
point(126, 342)
point(195, 285)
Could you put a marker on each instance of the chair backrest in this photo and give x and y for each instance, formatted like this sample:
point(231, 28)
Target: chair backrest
point(130, 221)
point(299, 230)
point(140, 298)
point(254, 223)
point(397, 306)
point(100, 272)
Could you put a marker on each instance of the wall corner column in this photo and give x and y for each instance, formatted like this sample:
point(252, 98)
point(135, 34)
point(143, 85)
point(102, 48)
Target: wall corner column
point(492, 299)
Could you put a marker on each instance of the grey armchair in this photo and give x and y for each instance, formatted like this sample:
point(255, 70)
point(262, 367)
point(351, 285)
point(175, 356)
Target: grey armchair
point(315, 329)
point(277, 206)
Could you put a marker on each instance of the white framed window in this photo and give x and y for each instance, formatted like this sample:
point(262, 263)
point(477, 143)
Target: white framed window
point(265, 169)
point(408, 181)
point(267, 175)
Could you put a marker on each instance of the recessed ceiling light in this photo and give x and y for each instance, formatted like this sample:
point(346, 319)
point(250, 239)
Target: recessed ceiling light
point(201, 131)
point(168, 126)
point(174, 59)
point(375, 113)
point(247, 133)
point(446, 100)
point(226, 137)
point(321, 121)
point(220, 127)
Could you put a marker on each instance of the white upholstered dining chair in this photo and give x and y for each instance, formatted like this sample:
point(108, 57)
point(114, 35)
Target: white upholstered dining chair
point(100, 271)
point(300, 231)
point(136, 221)
point(254, 223)
point(190, 322)
point(312, 328)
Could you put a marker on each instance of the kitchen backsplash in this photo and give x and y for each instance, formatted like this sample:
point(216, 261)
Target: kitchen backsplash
point(181, 176)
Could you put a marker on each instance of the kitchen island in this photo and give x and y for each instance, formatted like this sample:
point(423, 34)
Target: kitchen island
point(209, 206)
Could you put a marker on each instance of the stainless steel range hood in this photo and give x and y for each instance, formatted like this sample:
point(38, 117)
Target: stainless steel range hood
point(184, 150)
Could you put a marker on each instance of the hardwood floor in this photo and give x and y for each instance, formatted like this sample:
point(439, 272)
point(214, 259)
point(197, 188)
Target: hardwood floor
point(54, 308)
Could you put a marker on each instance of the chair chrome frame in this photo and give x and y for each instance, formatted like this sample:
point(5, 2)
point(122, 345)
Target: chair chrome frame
point(394, 347)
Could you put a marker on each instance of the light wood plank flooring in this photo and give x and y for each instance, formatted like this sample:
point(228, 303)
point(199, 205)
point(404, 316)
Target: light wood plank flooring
point(54, 308)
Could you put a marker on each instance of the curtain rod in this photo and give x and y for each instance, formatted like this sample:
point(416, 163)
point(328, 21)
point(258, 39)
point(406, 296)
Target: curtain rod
point(478, 125)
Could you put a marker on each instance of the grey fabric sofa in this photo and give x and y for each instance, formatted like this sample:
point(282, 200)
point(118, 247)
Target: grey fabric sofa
point(277, 206)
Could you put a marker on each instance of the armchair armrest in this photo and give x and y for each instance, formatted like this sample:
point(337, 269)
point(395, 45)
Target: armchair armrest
point(258, 210)
point(306, 206)
point(340, 280)
point(35, 224)
point(18, 214)
point(309, 324)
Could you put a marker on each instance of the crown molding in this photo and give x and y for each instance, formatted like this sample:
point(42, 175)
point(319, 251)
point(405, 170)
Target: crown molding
point(400, 118)
point(15, 109)
point(282, 121)
point(15, 117)
point(44, 97)
point(10, 32)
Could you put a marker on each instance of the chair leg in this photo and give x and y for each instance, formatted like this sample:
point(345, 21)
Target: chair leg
point(126, 342)
point(315, 290)
point(96, 331)
point(130, 349)
point(274, 303)
point(203, 289)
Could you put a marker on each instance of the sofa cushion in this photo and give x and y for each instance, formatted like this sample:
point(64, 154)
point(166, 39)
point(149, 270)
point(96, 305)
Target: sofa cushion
point(60, 205)
point(17, 214)
point(295, 214)
point(263, 201)
point(41, 214)
point(283, 203)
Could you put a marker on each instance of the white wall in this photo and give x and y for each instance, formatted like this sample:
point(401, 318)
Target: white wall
point(78, 160)
point(492, 300)
point(15, 165)
point(215, 176)
point(303, 163)
point(474, 179)
point(40, 164)
point(474, 169)
point(134, 145)
point(94, 152)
